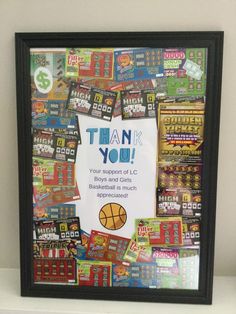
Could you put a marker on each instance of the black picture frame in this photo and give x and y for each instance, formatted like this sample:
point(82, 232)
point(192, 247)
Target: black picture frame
point(213, 41)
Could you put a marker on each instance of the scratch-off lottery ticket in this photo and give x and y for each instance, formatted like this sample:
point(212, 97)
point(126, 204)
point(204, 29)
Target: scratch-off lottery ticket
point(138, 104)
point(162, 231)
point(180, 132)
point(87, 62)
point(52, 114)
point(55, 249)
point(52, 173)
point(174, 60)
point(48, 79)
point(60, 229)
point(191, 231)
point(166, 260)
point(136, 253)
point(51, 145)
point(189, 268)
point(180, 176)
point(92, 101)
point(107, 247)
point(52, 270)
point(138, 64)
point(130, 85)
point(190, 78)
point(177, 201)
point(94, 273)
point(54, 212)
point(138, 275)
point(48, 195)
point(82, 248)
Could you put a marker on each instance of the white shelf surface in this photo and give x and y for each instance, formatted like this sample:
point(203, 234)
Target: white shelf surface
point(224, 301)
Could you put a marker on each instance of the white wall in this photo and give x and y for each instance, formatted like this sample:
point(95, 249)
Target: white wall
point(110, 15)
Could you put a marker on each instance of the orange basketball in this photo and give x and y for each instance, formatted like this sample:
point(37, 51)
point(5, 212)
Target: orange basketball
point(112, 216)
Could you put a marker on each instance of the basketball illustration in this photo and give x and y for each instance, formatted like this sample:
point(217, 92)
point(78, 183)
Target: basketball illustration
point(112, 216)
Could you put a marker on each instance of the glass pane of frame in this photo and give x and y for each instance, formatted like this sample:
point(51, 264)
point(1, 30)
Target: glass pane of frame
point(118, 138)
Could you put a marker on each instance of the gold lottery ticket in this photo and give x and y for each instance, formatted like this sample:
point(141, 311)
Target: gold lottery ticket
point(180, 132)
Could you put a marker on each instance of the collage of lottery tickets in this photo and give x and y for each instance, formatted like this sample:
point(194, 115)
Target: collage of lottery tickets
point(118, 137)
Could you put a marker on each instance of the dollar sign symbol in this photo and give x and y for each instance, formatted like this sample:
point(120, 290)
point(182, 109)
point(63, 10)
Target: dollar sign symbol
point(42, 79)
